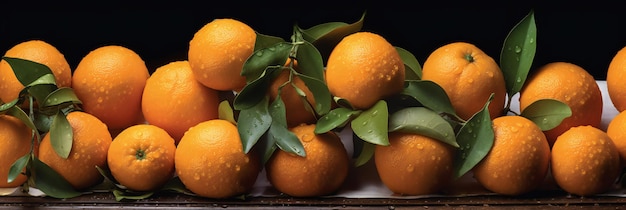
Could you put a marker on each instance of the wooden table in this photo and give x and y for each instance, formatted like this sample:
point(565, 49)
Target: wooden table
point(544, 200)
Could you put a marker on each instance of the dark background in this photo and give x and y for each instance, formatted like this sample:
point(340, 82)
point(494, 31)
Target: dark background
point(586, 34)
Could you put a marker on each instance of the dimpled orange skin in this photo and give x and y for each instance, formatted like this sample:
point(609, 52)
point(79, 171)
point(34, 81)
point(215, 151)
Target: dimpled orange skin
point(571, 85)
point(320, 173)
point(468, 83)
point(141, 157)
point(15, 142)
point(218, 51)
point(364, 68)
point(91, 141)
point(175, 101)
point(211, 163)
point(519, 159)
point(615, 77)
point(585, 161)
point(413, 164)
point(38, 51)
point(109, 81)
point(617, 131)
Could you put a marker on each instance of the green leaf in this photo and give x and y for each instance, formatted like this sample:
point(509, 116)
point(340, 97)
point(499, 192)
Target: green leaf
point(43, 121)
point(372, 124)
point(334, 119)
point(255, 91)
point(325, 36)
point(430, 95)
point(264, 41)
point(176, 185)
point(366, 153)
point(28, 72)
point(252, 123)
point(413, 69)
point(18, 167)
point(47, 79)
point(225, 112)
point(320, 93)
point(518, 53)
point(268, 147)
point(17, 112)
point(423, 121)
point(40, 92)
point(127, 195)
point(547, 113)
point(310, 61)
point(61, 96)
point(284, 138)
point(61, 135)
point(50, 182)
point(342, 102)
point(475, 140)
point(5, 107)
point(274, 56)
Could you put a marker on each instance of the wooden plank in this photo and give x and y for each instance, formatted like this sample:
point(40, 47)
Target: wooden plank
point(180, 201)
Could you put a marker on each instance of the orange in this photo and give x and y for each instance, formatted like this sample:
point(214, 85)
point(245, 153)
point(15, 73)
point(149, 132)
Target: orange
point(321, 172)
point(218, 51)
point(468, 76)
point(615, 77)
point(37, 51)
point(413, 164)
point(364, 68)
point(519, 159)
point(617, 131)
point(585, 161)
point(142, 157)
point(110, 81)
point(296, 110)
point(211, 163)
point(570, 84)
point(15, 142)
point(175, 101)
point(91, 141)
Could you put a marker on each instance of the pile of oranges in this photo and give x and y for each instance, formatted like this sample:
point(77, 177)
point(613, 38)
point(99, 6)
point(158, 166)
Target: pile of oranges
point(244, 102)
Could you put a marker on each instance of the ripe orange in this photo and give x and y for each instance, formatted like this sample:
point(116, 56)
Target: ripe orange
point(295, 108)
point(413, 164)
point(15, 142)
point(38, 51)
point(89, 149)
point(321, 172)
point(519, 159)
point(218, 51)
point(110, 81)
point(468, 76)
point(569, 84)
point(175, 101)
point(364, 68)
point(615, 76)
point(585, 161)
point(617, 131)
point(211, 163)
point(142, 157)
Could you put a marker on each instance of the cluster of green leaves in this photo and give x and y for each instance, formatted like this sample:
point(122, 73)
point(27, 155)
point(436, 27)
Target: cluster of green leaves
point(47, 106)
point(422, 107)
point(262, 122)
point(120, 192)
